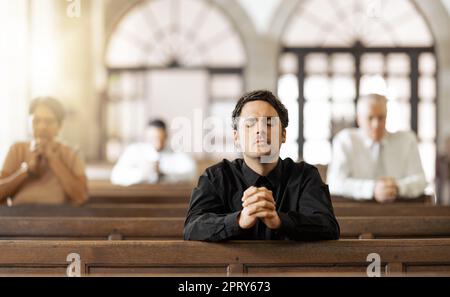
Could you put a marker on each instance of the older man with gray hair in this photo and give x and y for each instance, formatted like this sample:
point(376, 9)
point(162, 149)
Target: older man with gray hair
point(370, 163)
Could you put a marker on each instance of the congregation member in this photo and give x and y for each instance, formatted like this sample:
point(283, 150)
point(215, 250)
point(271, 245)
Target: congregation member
point(44, 170)
point(153, 161)
point(370, 163)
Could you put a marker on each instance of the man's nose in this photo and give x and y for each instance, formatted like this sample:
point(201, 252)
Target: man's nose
point(375, 123)
point(261, 129)
point(41, 127)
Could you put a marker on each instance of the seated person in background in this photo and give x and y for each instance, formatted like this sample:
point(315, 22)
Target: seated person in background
point(370, 163)
point(44, 170)
point(260, 196)
point(152, 162)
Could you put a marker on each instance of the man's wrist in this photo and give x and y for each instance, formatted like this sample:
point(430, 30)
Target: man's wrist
point(232, 223)
point(277, 221)
point(239, 221)
point(25, 168)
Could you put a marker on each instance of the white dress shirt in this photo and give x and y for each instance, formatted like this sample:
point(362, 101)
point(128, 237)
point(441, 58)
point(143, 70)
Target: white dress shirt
point(357, 162)
point(137, 165)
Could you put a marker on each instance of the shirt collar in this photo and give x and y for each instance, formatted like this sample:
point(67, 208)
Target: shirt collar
point(368, 142)
point(273, 177)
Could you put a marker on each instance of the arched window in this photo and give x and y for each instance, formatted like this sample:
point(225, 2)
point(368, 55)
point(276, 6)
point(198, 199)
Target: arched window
point(168, 58)
point(333, 51)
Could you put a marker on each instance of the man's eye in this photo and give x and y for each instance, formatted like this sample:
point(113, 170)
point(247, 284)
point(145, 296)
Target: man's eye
point(249, 122)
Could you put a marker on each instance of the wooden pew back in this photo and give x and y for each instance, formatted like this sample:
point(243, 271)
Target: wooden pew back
point(97, 210)
point(157, 228)
point(170, 258)
point(180, 210)
point(105, 192)
point(369, 210)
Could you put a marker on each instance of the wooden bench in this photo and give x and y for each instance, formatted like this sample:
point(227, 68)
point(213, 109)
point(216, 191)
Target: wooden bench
point(97, 210)
point(394, 227)
point(180, 210)
point(170, 228)
point(423, 257)
point(421, 200)
point(344, 209)
point(105, 192)
point(90, 228)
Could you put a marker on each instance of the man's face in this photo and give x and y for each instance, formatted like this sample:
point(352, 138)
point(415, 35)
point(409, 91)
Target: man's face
point(259, 130)
point(372, 119)
point(157, 137)
point(45, 124)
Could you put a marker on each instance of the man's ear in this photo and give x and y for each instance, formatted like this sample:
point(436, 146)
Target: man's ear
point(236, 138)
point(283, 135)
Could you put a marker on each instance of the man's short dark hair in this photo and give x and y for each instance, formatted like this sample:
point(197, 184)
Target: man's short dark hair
point(53, 104)
point(157, 123)
point(261, 95)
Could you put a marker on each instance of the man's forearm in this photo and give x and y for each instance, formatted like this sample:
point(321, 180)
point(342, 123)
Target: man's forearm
point(212, 227)
point(11, 184)
point(412, 186)
point(74, 187)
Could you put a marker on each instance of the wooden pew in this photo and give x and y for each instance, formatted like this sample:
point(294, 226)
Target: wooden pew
point(421, 200)
point(90, 228)
point(101, 191)
point(180, 210)
point(394, 227)
point(169, 228)
point(423, 257)
point(105, 192)
point(343, 209)
point(97, 210)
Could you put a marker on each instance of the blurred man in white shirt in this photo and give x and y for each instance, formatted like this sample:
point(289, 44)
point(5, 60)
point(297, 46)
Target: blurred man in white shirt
point(152, 161)
point(370, 163)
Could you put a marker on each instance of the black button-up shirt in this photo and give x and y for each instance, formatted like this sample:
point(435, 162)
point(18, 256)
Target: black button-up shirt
point(302, 203)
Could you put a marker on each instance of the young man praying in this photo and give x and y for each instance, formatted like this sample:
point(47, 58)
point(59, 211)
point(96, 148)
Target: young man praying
point(261, 196)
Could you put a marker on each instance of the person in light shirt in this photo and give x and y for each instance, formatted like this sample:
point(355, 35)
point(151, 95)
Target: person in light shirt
point(152, 161)
point(370, 163)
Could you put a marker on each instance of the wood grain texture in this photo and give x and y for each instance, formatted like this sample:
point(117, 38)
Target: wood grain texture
point(343, 257)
